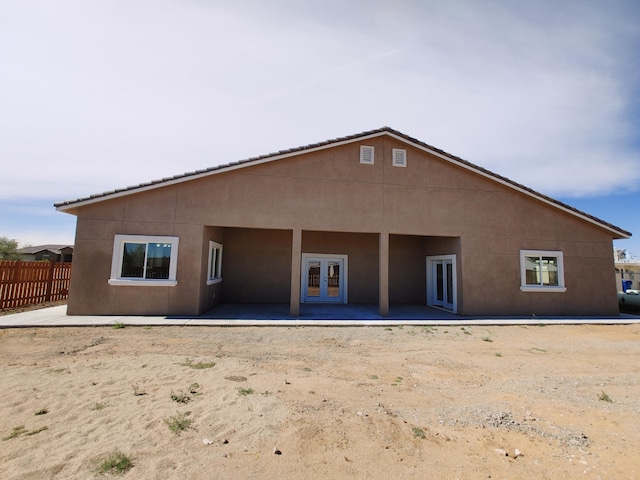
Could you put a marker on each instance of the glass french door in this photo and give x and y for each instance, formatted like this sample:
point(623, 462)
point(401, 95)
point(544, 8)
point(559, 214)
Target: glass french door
point(324, 279)
point(441, 282)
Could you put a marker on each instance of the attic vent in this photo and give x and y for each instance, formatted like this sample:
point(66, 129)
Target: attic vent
point(366, 154)
point(399, 157)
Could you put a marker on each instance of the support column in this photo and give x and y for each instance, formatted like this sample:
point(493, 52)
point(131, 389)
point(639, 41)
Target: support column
point(296, 255)
point(383, 276)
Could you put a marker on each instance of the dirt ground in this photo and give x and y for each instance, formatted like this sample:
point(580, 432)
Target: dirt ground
point(322, 402)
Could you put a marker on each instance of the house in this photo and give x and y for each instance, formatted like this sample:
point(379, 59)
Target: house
point(372, 218)
point(54, 253)
point(627, 270)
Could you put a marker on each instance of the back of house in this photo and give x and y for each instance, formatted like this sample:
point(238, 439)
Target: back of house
point(373, 218)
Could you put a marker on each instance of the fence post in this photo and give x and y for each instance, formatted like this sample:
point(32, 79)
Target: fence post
point(47, 297)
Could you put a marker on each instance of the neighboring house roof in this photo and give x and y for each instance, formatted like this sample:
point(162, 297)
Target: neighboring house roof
point(57, 249)
point(72, 204)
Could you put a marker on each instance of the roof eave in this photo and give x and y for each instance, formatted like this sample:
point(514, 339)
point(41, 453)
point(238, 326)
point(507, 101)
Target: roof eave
point(70, 206)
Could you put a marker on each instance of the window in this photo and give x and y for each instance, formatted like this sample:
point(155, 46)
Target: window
point(214, 274)
point(399, 157)
point(367, 154)
point(144, 260)
point(541, 271)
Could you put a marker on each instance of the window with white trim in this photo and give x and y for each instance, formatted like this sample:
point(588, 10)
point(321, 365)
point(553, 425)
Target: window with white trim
point(399, 157)
point(144, 260)
point(214, 274)
point(367, 154)
point(541, 271)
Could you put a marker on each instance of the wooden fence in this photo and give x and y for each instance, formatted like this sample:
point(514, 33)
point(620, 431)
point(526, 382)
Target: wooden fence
point(27, 283)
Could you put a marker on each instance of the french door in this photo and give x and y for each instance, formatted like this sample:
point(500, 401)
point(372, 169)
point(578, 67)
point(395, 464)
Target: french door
point(324, 278)
point(441, 282)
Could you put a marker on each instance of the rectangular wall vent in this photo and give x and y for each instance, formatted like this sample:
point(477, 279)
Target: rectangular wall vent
point(366, 154)
point(399, 157)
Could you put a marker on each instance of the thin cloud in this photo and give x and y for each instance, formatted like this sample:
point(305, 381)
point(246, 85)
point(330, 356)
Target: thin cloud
point(102, 96)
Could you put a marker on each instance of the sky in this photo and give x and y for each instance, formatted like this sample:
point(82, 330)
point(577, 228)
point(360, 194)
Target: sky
point(101, 95)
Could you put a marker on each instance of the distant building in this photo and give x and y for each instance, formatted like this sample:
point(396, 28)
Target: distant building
point(627, 270)
point(55, 253)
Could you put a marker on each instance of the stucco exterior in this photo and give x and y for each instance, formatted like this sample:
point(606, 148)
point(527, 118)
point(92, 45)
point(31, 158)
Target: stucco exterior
point(268, 213)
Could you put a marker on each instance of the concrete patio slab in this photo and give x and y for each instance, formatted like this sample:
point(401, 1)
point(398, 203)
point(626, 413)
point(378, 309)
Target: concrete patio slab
point(310, 315)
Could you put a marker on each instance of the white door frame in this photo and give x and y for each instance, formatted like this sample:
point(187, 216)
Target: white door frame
point(432, 301)
point(323, 257)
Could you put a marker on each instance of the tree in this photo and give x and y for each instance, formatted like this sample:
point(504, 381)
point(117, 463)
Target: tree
point(8, 249)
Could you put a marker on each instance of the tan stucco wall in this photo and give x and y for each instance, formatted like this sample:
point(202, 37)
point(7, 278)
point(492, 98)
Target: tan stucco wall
point(429, 208)
point(256, 266)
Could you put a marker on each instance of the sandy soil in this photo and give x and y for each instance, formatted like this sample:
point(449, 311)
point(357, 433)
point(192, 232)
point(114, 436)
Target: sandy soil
point(401, 402)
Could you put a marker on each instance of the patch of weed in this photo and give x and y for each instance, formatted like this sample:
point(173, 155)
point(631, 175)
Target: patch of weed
point(243, 391)
point(306, 369)
point(98, 406)
point(16, 432)
point(498, 354)
point(38, 430)
point(199, 365)
point(539, 350)
point(116, 463)
point(389, 329)
point(604, 397)
point(180, 397)
point(418, 432)
point(179, 422)
point(373, 377)
point(118, 325)
point(42, 411)
point(487, 339)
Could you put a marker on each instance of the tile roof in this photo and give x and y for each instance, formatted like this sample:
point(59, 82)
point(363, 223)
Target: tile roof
point(41, 248)
point(67, 205)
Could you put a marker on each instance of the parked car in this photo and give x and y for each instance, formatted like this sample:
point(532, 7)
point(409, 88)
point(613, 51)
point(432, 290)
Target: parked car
point(629, 301)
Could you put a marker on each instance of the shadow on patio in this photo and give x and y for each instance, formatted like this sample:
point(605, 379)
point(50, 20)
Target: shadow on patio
point(316, 311)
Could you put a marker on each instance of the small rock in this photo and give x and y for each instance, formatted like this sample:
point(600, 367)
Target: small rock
point(517, 453)
point(206, 441)
point(224, 455)
point(276, 451)
point(501, 452)
point(225, 441)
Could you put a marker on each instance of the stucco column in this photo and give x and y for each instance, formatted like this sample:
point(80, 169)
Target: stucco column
point(383, 276)
point(296, 255)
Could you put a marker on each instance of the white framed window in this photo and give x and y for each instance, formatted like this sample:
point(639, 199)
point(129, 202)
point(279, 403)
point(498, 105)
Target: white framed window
point(367, 154)
point(399, 157)
point(143, 260)
point(541, 271)
point(214, 269)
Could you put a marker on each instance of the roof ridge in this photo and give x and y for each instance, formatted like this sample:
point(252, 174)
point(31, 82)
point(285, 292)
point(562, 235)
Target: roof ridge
point(325, 143)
